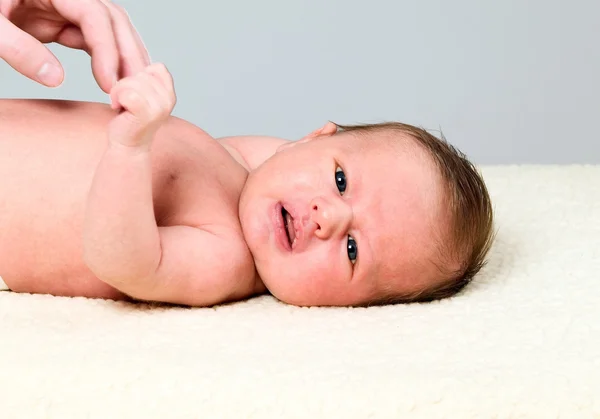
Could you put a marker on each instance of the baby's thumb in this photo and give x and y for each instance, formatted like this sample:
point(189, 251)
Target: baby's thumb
point(28, 56)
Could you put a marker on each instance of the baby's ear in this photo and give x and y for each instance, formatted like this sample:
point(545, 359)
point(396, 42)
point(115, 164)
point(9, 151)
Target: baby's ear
point(326, 130)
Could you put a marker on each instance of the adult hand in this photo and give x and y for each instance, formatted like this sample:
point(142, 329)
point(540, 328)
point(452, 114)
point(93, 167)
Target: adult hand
point(99, 27)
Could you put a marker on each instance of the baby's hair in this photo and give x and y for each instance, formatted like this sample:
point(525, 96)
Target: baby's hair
point(471, 232)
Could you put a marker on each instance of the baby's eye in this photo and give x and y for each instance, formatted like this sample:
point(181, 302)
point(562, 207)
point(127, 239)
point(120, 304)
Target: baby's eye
point(340, 180)
point(352, 250)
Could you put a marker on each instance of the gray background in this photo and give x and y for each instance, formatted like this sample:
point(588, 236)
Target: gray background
point(506, 81)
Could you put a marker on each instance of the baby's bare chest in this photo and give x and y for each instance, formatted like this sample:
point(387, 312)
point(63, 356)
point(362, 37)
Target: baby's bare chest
point(47, 164)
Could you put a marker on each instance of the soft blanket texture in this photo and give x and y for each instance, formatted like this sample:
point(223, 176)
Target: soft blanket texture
point(522, 341)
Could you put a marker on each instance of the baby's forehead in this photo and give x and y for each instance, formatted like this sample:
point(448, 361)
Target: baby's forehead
point(380, 140)
point(392, 156)
point(397, 174)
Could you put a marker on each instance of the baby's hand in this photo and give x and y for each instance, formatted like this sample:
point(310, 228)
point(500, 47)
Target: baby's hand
point(146, 100)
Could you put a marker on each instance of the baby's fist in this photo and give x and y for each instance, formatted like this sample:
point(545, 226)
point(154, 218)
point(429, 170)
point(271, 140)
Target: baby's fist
point(146, 99)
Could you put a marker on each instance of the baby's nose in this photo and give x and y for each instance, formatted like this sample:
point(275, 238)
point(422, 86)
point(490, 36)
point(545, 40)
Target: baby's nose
point(331, 216)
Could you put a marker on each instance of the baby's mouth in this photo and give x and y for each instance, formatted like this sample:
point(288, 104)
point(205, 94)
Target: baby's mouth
point(288, 222)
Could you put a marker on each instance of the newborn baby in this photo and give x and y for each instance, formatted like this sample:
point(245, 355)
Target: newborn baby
point(127, 202)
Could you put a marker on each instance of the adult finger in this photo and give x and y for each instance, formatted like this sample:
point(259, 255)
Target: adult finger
point(141, 46)
point(71, 37)
point(28, 56)
point(132, 53)
point(95, 23)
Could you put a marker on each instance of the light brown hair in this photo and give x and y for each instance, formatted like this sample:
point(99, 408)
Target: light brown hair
point(469, 207)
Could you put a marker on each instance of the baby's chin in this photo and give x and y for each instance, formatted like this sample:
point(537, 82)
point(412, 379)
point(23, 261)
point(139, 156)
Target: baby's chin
point(285, 288)
point(275, 286)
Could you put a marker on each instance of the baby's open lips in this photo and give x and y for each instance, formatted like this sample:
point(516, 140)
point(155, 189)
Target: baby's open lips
point(288, 222)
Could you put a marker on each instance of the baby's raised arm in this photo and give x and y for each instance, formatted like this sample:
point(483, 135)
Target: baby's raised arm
point(123, 246)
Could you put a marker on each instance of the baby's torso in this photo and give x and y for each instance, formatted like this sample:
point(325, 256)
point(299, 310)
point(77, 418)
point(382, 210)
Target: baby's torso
point(48, 155)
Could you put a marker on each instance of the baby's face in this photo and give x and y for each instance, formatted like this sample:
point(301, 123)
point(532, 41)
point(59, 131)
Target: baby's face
point(340, 220)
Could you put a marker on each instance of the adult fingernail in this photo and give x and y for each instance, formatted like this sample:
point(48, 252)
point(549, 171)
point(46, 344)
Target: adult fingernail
point(50, 74)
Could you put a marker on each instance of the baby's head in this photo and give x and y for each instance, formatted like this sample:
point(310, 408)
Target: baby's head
point(369, 214)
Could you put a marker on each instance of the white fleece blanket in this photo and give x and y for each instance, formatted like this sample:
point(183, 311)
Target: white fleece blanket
point(522, 341)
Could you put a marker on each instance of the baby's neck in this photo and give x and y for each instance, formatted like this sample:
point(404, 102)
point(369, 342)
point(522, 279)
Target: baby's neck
point(251, 151)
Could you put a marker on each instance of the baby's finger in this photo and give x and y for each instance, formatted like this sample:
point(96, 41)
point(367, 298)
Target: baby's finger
point(132, 53)
point(160, 72)
point(142, 106)
point(28, 56)
point(117, 90)
point(133, 101)
point(141, 86)
point(155, 89)
point(144, 83)
point(94, 20)
point(162, 94)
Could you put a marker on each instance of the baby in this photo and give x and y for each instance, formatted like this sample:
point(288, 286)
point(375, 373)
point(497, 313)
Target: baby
point(127, 202)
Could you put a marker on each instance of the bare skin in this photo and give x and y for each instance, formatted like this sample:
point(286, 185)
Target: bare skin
point(99, 27)
point(125, 201)
point(49, 152)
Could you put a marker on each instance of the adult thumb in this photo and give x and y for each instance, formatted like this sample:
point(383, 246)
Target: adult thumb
point(28, 56)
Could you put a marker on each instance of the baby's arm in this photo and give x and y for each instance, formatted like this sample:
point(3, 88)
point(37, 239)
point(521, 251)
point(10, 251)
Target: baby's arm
point(123, 246)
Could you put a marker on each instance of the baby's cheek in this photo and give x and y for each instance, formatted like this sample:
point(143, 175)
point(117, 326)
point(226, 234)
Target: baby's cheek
point(321, 270)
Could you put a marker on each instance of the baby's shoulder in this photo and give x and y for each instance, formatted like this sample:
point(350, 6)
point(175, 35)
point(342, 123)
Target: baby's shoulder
point(251, 150)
